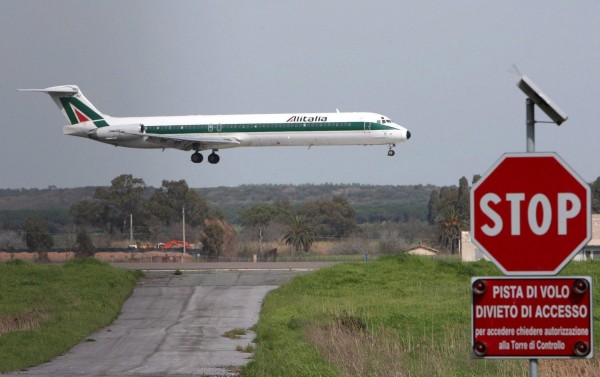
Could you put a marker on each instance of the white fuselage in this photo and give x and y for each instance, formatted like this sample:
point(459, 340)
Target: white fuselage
point(214, 132)
point(203, 132)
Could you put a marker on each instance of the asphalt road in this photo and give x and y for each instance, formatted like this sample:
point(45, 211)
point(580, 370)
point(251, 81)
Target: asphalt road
point(223, 266)
point(172, 325)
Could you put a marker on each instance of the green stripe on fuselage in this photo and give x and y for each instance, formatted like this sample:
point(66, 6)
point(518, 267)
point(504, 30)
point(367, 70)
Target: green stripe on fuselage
point(266, 127)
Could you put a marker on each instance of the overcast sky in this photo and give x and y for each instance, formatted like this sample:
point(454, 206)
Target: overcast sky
point(440, 68)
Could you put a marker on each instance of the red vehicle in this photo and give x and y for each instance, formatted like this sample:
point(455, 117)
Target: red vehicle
point(174, 244)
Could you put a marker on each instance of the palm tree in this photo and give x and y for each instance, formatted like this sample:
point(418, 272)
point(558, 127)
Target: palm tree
point(450, 223)
point(299, 235)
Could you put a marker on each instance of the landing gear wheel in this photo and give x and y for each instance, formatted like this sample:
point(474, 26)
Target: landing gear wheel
point(391, 152)
point(214, 158)
point(197, 158)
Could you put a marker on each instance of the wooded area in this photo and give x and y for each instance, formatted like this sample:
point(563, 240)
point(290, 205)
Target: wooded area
point(249, 219)
point(371, 203)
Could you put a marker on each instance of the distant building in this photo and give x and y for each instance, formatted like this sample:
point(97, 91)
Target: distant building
point(470, 253)
point(422, 250)
point(592, 249)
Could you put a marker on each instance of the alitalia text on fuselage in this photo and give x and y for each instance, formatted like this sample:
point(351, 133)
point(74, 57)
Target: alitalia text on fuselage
point(309, 118)
point(213, 132)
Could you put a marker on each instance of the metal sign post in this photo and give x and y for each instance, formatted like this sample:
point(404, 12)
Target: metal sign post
point(534, 95)
point(530, 140)
point(530, 121)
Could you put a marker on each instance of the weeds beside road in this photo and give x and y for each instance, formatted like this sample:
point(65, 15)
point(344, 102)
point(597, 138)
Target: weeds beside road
point(398, 316)
point(45, 309)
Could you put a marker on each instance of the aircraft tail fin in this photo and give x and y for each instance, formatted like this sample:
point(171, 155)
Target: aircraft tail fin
point(73, 104)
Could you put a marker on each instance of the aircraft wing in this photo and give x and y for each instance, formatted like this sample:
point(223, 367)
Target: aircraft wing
point(186, 142)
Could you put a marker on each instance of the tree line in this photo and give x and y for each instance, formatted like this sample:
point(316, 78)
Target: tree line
point(318, 219)
point(449, 211)
point(157, 215)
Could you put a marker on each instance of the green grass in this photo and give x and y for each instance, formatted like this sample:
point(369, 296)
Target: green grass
point(235, 333)
point(405, 315)
point(248, 348)
point(45, 309)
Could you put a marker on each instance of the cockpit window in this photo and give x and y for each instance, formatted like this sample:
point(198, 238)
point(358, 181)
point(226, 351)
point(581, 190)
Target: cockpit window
point(383, 120)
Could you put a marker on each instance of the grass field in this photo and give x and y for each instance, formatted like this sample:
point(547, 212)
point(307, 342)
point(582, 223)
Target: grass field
point(46, 309)
point(398, 316)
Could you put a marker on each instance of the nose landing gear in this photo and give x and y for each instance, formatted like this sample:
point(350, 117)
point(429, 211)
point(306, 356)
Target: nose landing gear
point(391, 151)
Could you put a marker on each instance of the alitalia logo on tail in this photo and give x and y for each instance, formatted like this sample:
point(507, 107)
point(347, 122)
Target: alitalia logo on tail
point(313, 118)
point(78, 112)
point(80, 116)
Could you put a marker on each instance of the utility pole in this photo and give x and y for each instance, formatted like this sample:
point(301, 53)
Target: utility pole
point(130, 228)
point(183, 215)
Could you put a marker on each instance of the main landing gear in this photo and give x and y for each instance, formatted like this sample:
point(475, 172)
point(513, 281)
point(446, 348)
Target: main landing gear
point(212, 158)
point(391, 151)
point(197, 158)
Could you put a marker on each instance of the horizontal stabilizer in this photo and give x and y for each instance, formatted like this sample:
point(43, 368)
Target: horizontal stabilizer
point(73, 104)
point(63, 90)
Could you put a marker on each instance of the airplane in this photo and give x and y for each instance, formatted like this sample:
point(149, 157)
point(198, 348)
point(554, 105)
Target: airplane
point(214, 132)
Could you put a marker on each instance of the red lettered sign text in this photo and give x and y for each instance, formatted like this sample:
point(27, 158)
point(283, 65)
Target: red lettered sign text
point(532, 317)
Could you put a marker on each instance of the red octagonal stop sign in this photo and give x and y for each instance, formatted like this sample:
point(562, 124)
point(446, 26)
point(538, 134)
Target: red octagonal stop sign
point(531, 213)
